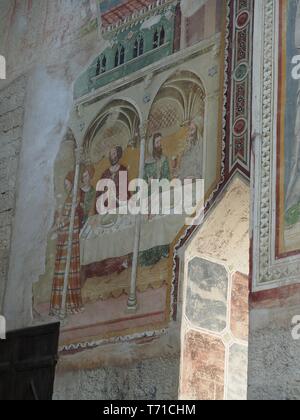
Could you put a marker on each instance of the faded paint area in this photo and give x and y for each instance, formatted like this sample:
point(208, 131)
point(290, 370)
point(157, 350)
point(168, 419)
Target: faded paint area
point(240, 306)
point(203, 377)
point(207, 295)
point(53, 52)
point(189, 7)
point(48, 32)
point(225, 234)
point(237, 373)
point(145, 368)
point(11, 133)
point(215, 302)
point(234, 340)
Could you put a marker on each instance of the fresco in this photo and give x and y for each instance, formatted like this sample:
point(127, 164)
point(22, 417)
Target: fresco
point(90, 257)
point(288, 163)
point(200, 20)
point(207, 295)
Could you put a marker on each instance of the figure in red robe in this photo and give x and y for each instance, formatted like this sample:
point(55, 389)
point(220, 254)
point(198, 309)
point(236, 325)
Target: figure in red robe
point(74, 303)
point(113, 173)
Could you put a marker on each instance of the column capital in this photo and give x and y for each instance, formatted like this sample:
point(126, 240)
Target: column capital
point(79, 155)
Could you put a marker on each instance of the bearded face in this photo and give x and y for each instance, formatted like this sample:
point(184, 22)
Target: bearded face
point(86, 179)
point(157, 149)
point(114, 157)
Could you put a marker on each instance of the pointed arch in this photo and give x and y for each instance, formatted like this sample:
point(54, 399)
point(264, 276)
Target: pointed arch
point(155, 39)
point(179, 99)
point(119, 56)
point(139, 46)
point(162, 36)
point(118, 119)
point(101, 65)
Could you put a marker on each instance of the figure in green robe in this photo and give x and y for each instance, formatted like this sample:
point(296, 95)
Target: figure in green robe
point(157, 167)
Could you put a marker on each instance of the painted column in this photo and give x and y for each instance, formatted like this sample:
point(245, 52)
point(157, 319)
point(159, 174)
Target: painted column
point(132, 300)
point(78, 155)
point(95, 5)
point(183, 36)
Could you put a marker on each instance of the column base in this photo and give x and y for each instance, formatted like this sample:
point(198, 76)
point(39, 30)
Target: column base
point(132, 308)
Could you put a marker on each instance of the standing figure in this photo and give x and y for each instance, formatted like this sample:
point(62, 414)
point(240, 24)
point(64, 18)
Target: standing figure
point(62, 225)
point(158, 168)
point(113, 173)
point(293, 190)
point(191, 163)
point(87, 193)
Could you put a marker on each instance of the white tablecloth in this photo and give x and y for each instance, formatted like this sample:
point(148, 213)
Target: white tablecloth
point(98, 244)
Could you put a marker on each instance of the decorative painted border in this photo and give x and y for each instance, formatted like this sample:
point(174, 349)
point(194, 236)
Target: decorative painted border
point(236, 54)
point(88, 345)
point(142, 13)
point(240, 121)
point(268, 272)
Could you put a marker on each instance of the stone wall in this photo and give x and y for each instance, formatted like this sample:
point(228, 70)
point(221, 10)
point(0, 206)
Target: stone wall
point(144, 368)
point(152, 379)
point(11, 130)
point(274, 355)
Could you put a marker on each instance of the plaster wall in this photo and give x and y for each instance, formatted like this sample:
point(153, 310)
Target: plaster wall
point(11, 132)
point(214, 332)
point(51, 52)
